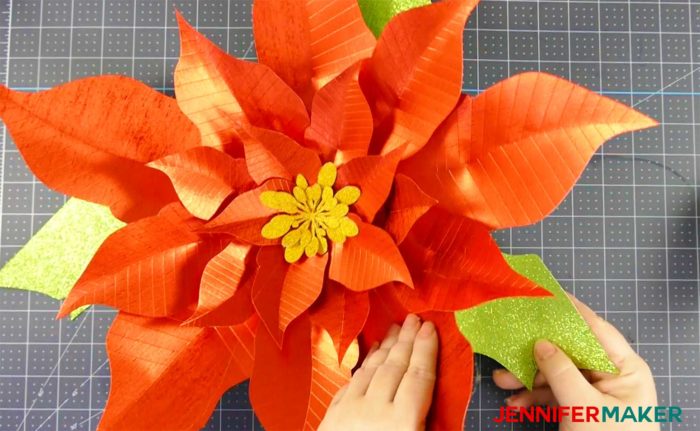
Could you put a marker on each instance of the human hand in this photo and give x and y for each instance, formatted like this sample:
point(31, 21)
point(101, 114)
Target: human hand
point(394, 387)
point(559, 382)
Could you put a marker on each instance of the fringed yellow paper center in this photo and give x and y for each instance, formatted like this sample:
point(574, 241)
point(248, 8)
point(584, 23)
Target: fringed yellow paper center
point(312, 215)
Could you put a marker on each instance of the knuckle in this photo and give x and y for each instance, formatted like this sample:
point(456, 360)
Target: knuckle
point(421, 373)
point(394, 365)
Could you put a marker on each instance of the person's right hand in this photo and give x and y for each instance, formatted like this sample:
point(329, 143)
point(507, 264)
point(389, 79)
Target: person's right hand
point(559, 382)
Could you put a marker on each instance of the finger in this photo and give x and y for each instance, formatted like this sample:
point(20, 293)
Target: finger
point(363, 376)
point(504, 379)
point(535, 397)
point(570, 387)
point(339, 395)
point(415, 391)
point(371, 350)
point(389, 374)
point(614, 343)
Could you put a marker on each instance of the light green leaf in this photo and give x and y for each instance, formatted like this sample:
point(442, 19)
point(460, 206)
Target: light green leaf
point(507, 329)
point(378, 13)
point(53, 259)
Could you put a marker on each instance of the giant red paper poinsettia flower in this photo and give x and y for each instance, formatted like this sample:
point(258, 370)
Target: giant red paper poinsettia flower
point(280, 211)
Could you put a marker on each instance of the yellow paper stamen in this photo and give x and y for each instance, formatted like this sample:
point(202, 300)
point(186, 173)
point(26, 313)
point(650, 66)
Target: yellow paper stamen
point(311, 215)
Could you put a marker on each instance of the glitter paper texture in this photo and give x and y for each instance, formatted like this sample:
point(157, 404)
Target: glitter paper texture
point(507, 329)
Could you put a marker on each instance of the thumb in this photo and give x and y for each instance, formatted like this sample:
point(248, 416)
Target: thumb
point(569, 386)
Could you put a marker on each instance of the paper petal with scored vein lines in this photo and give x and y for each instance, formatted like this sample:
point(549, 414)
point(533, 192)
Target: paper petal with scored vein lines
point(149, 358)
point(455, 265)
point(414, 77)
point(222, 277)
point(269, 154)
point(374, 175)
point(302, 285)
point(204, 177)
point(150, 267)
point(368, 260)
point(309, 42)
point(317, 376)
point(245, 216)
point(408, 204)
point(509, 156)
point(69, 138)
point(341, 121)
point(342, 312)
point(224, 96)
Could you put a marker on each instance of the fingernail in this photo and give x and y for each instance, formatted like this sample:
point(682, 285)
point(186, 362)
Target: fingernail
point(544, 349)
point(510, 400)
point(373, 347)
point(411, 321)
point(426, 330)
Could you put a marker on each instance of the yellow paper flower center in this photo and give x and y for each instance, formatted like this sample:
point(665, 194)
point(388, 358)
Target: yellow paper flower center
point(311, 215)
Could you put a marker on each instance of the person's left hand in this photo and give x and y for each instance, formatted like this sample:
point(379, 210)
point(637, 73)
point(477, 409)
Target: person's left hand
point(394, 387)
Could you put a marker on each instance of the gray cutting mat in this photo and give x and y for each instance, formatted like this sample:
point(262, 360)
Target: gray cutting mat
point(625, 240)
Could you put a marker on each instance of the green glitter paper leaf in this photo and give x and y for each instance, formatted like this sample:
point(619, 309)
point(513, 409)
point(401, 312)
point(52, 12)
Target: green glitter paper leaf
point(506, 329)
point(53, 259)
point(377, 13)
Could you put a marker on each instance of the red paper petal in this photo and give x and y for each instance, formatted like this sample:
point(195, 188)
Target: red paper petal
point(222, 277)
point(374, 175)
point(342, 313)
point(150, 267)
point(309, 42)
point(152, 357)
point(309, 389)
point(245, 216)
point(368, 260)
point(267, 289)
point(408, 204)
point(455, 375)
point(414, 78)
point(223, 96)
point(203, 178)
point(509, 156)
point(456, 265)
point(302, 285)
point(90, 139)
point(279, 386)
point(453, 387)
point(270, 154)
point(341, 121)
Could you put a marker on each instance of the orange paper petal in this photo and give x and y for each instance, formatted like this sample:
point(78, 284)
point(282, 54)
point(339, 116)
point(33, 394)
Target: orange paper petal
point(407, 205)
point(342, 313)
point(456, 265)
point(509, 156)
point(302, 285)
point(309, 388)
point(310, 42)
point(341, 121)
point(245, 216)
point(90, 139)
point(203, 177)
point(150, 267)
point(221, 279)
point(267, 289)
point(414, 77)
point(368, 260)
point(223, 96)
point(374, 175)
point(149, 358)
point(270, 154)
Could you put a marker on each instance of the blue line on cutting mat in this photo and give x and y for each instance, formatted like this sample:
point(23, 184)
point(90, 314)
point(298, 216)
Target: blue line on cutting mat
point(473, 90)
